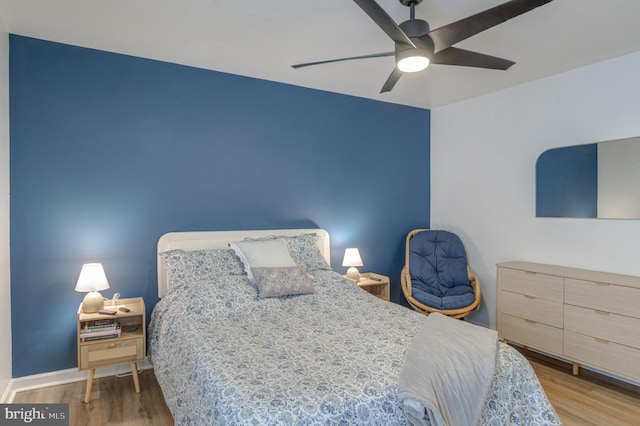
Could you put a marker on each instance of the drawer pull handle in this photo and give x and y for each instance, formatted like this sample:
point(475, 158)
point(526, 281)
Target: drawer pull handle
point(598, 311)
point(528, 296)
point(598, 339)
point(604, 284)
point(530, 272)
point(530, 321)
point(113, 345)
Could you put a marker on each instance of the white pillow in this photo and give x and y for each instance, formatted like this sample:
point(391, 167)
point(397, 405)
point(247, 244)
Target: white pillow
point(262, 254)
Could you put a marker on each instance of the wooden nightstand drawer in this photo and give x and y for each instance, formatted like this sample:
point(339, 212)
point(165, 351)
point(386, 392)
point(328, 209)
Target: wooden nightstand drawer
point(115, 351)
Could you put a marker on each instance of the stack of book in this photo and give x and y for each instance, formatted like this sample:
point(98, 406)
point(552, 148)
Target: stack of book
point(100, 329)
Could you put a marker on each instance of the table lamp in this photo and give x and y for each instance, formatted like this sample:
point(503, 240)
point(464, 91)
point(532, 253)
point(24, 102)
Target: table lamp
point(352, 259)
point(92, 279)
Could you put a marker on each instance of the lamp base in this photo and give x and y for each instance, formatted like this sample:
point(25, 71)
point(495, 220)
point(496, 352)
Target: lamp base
point(92, 302)
point(353, 274)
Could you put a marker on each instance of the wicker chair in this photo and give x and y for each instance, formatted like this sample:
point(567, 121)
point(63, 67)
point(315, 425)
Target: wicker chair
point(436, 251)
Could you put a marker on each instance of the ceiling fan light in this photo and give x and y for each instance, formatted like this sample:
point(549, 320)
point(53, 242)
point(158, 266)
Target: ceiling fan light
point(412, 60)
point(413, 63)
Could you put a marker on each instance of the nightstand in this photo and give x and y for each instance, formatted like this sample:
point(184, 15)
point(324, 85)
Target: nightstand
point(126, 346)
point(376, 284)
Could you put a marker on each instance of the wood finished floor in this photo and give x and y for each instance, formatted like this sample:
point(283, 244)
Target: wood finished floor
point(578, 401)
point(587, 399)
point(113, 401)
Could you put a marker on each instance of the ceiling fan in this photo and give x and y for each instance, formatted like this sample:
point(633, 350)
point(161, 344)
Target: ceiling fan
point(416, 45)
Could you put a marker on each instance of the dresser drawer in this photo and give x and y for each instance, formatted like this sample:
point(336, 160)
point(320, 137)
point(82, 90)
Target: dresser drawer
point(532, 308)
point(533, 284)
point(531, 333)
point(612, 327)
point(608, 356)
point(116, 351)
point(605, 297)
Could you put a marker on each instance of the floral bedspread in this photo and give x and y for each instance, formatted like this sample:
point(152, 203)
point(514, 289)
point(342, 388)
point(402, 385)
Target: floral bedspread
point(224, 356)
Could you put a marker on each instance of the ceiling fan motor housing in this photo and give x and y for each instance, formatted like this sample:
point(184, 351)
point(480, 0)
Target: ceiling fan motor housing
point(415, 27)
point(410, 2)
point(416, 30)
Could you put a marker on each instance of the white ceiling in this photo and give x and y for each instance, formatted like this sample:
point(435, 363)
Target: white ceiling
point(261, 38)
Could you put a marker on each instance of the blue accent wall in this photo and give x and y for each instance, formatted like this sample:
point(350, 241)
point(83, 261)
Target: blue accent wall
point(109, 152)
point(567, 182)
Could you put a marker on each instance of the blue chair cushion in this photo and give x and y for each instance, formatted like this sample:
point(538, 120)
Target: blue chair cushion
point(438, 269)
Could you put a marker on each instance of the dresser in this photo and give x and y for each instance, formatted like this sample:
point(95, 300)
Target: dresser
point(587, 317)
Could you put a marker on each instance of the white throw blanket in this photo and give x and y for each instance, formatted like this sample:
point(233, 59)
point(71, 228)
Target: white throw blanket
point(447, 373)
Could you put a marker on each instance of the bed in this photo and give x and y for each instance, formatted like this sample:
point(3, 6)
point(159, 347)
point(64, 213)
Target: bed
point(226, 351)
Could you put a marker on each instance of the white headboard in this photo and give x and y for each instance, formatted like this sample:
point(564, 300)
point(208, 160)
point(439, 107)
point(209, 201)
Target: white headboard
point(202, 240)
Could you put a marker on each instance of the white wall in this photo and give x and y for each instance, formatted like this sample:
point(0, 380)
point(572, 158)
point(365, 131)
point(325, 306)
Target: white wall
point(483, 154)
point(5, 295)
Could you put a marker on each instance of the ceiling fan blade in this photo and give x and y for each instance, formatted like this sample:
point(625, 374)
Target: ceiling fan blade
point(373, 55)
point(455, 32)
point(467, 58)
point(392, 80)
point(384, 21)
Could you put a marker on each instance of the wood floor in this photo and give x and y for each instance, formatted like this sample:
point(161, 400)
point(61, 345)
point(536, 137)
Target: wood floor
point(589, 399)
point(577, 400)
point(113, 401)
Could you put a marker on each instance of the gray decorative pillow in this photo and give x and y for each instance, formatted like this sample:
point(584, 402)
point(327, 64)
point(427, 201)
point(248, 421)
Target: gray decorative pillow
point(186, 267)
point(282, 281)
point(302, 248)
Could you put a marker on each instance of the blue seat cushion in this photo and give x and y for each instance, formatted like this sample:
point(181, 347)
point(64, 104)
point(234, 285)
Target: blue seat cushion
point(438, 269)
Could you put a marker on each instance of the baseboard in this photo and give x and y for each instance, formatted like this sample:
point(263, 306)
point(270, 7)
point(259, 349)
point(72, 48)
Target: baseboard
point(4, 393)
point(60, 377)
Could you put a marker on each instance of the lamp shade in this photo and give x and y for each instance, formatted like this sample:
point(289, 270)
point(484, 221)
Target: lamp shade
point(352, 257)
point(92, 278)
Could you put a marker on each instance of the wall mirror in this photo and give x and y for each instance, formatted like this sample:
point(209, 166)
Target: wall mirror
point(598, 180)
